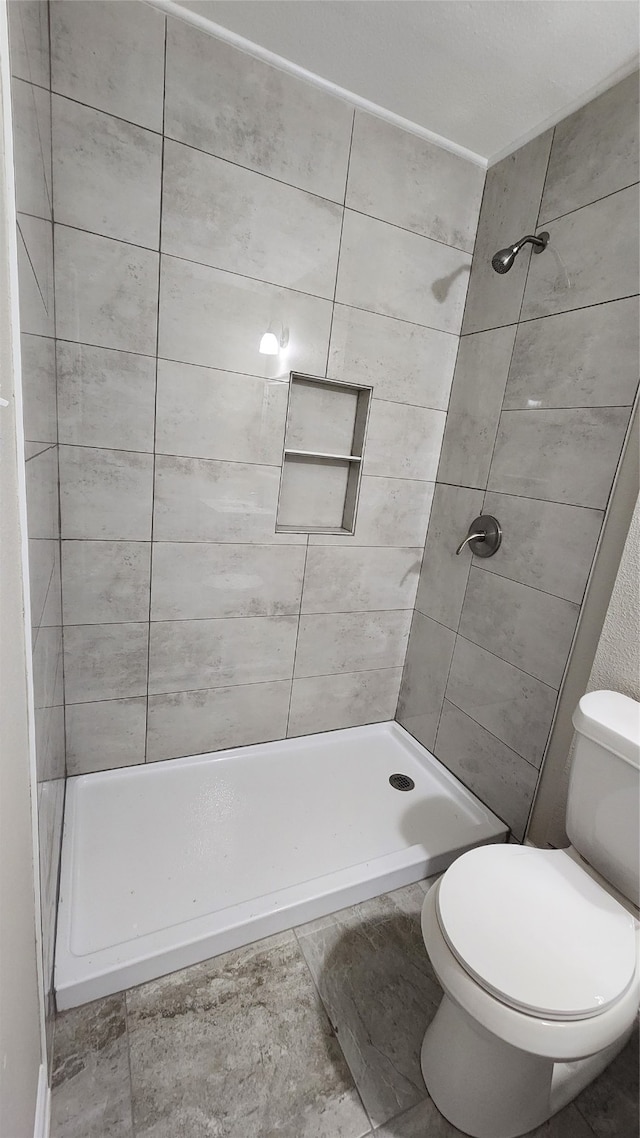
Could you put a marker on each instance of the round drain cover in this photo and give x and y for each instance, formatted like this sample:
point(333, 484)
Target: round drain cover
point(401, 782)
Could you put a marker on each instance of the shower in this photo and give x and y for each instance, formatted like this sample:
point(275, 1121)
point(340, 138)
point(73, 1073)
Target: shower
point(504, 258)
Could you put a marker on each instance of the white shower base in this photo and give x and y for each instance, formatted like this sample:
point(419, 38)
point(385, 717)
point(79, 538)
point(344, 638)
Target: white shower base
point(168, 864)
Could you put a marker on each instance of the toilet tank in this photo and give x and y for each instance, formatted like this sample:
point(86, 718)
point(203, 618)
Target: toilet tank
point(603, 807)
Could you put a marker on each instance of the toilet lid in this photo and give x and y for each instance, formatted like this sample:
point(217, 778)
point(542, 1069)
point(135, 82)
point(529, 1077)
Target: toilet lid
point(535, 930)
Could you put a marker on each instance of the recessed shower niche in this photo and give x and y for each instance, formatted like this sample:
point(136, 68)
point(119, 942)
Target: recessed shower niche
point(323, 454)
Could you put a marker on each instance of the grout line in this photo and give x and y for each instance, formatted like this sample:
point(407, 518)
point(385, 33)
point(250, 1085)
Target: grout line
point(264, 616)
point(35, 275)
point(334, 1026)
point(483, 727)
point(241, 276)
point(110, 237)
point(522, 497)
point(548, 315)
point(585, 205)
point(227, 687)
point(59, 537)
point(344, 210)
point(126, 1032)
point(447, 699)
point(241, 462)
point(155, 395)
point(526, 584)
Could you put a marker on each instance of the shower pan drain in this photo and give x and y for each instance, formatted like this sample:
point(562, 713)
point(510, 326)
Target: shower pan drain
point(401, 782)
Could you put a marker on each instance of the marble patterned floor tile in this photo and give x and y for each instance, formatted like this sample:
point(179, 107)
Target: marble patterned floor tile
point(425, 1121)
point(239, 1047)
point(610, 1103)
point(372, 971)
point(91, 1090)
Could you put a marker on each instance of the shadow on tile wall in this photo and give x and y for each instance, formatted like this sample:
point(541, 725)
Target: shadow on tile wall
point(545, 379)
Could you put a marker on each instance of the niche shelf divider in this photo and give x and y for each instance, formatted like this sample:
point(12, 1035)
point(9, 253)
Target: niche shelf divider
point(323, 452)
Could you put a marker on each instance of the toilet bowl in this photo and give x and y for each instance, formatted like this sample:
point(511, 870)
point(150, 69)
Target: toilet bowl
point(537, 951)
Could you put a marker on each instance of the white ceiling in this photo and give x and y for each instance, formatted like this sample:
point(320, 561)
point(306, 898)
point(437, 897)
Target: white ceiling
point(484, 74)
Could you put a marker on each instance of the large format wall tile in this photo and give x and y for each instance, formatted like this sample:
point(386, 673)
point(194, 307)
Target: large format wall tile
point(403, 441)
point(29, 41)
point(107, 173)
point(594, 152)
point(105, 661)
point(47, 668)
point(351, 642)
point(396, 273)
point(348, 699)
point(188, 654)
point(216, 319)
point(398, 177)
point(403, 362)
point(356, 580)
point(205, 413)
point(105, 582)
point(544, 544)
point(231, 218)
point(193, 580)
point(525, 627)
point(41, 474)
point(110, 56)
point(106, 398)
point(35, 275)
point(229, 104)
point(207, 500)
point(101, 736)
point(38, 368)
point(425, 678)
point(501, 778)
point(566, 360)
point(44, 574)
point(596, 257)
point(510, 205)
point(511, 704)
point(474, 409)
point(562, 456)
point(443, 578)
point(106, 291)
point(391, 511)
point(31, 110)
point(193, 722)
point(105, 493)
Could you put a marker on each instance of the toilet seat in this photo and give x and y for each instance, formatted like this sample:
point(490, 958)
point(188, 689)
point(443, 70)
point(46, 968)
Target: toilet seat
point(533, 929)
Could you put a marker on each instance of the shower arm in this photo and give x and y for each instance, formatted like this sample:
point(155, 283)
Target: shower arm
point(539, 243)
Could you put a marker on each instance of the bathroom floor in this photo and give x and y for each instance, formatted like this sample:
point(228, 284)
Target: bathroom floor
point(313, 1033)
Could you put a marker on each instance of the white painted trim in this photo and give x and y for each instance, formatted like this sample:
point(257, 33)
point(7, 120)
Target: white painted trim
point(171, 8)
point(43, 1106)
point(568, 109)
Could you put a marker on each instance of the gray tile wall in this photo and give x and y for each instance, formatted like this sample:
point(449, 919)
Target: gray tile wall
point(546, 375)
point(31, 106)
point(200, 198)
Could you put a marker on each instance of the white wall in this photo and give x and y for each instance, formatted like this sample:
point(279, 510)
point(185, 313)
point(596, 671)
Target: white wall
point(21, 1017)
point(617, 662)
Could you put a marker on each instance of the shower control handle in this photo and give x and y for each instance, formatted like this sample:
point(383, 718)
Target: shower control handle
point(468, 538)
point(484, 537)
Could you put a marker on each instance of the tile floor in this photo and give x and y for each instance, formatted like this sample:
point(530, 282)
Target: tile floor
point(314, 1033)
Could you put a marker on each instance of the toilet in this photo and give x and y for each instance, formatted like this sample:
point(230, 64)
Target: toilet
point(537, 951)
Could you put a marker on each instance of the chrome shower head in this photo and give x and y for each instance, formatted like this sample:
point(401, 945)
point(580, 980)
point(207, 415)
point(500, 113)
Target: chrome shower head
point(504, 258)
